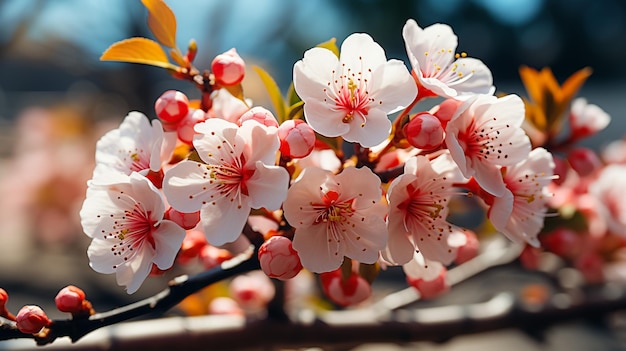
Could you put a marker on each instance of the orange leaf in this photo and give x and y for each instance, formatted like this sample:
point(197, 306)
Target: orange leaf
point(574, 82)
point(138, 50)
point(162, 22)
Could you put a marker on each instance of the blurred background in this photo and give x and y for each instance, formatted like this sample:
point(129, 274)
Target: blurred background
point(57, 98)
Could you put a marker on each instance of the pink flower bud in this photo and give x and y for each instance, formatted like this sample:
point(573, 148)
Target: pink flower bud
point(70, 299)
point(261, 115)
point(252, 291)
point(429, 289)
point(351, 291)
point(424, 131)
point(31, 319)
point(172, 106)
point(584, 161)
point(185, 126)
point(185, 220)
point(278, 258)
point(228, 68)
point(297, 138)
point(469, 250)
point(445, 110)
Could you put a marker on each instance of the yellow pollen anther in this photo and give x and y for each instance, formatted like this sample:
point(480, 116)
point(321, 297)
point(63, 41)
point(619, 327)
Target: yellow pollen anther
point(122, 234)
point(135, 156)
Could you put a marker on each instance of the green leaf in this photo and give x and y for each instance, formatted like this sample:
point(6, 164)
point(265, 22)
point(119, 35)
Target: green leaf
point(274, 93)
point(331, 45)
point(296, 111)
point(292, 96)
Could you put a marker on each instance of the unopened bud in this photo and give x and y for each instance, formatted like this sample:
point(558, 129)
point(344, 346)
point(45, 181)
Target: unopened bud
point(70, 299)
point(185, 128)
point(261, 115)
point(446, 110)
point(31, 319)
point(429, 289)
point(297, 138)
point(584, 161)
point(172, 106)
point(4, 298)
point(468, 250)
point(278, 258)
point(345, 292)
point(228, 68)
point(424, 131)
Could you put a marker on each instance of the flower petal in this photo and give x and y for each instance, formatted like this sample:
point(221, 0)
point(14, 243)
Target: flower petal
point(268, 186)
point(312, 245)
point(187, 186)
point(359, 51)
point(312, 74)
point(375, 130)
point(324, 119)
point(168, 238)
point(223, 220)
point(393, 86)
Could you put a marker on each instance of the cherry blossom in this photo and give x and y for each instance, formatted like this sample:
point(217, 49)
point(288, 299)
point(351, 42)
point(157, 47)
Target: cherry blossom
point(336, 216)
point(485, 134)
point(352, 95)
point(609, 189)
point(124, 217)
point(439, 69)
point(136, 146)
point(520, 212)
point(237, 174)
point(587, 119)
point(418, 207)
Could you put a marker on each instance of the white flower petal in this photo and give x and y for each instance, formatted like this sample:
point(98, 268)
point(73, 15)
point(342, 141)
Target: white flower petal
point(187, 186)
point(268, 186)
point(224, 220)
point(359, 51)
point(393, 86)
point(314, 249)
point(324, 119)
point(168, 238)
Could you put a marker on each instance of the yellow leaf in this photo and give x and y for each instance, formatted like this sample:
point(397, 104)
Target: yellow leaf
point(274, 92)
point(138, 50)
point(162, 22)
point(331, 45)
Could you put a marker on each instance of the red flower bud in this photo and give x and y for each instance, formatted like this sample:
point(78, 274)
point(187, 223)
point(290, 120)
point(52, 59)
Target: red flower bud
point(297, 138)
point(278, 258)
point(424, 131)
point(172, 106)
point(70, 299)
point(228, 68)
point(31, 319)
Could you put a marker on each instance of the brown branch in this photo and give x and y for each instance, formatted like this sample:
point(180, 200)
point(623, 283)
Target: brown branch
point(178, 289)
point(353, 328)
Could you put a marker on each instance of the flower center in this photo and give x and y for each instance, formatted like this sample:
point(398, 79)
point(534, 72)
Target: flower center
point(349, 93)
point(130, 231)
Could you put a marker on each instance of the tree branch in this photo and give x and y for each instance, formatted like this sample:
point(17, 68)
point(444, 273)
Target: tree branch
point(178, 289)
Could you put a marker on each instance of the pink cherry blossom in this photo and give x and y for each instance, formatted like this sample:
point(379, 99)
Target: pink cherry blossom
point(336, 216)
point(124, 217)
point(437, 66)
point(237, 174)
point(31, 319)
point(136, 146)
point(484, 135)
point(345, 292)
point(418, 207)
point(587, 119)
point(609, 189)
point(352, 95)
point(520, 212)
point(228, 68)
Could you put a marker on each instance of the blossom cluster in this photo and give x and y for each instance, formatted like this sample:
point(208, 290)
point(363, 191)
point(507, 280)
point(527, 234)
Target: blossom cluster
point(189, 183)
